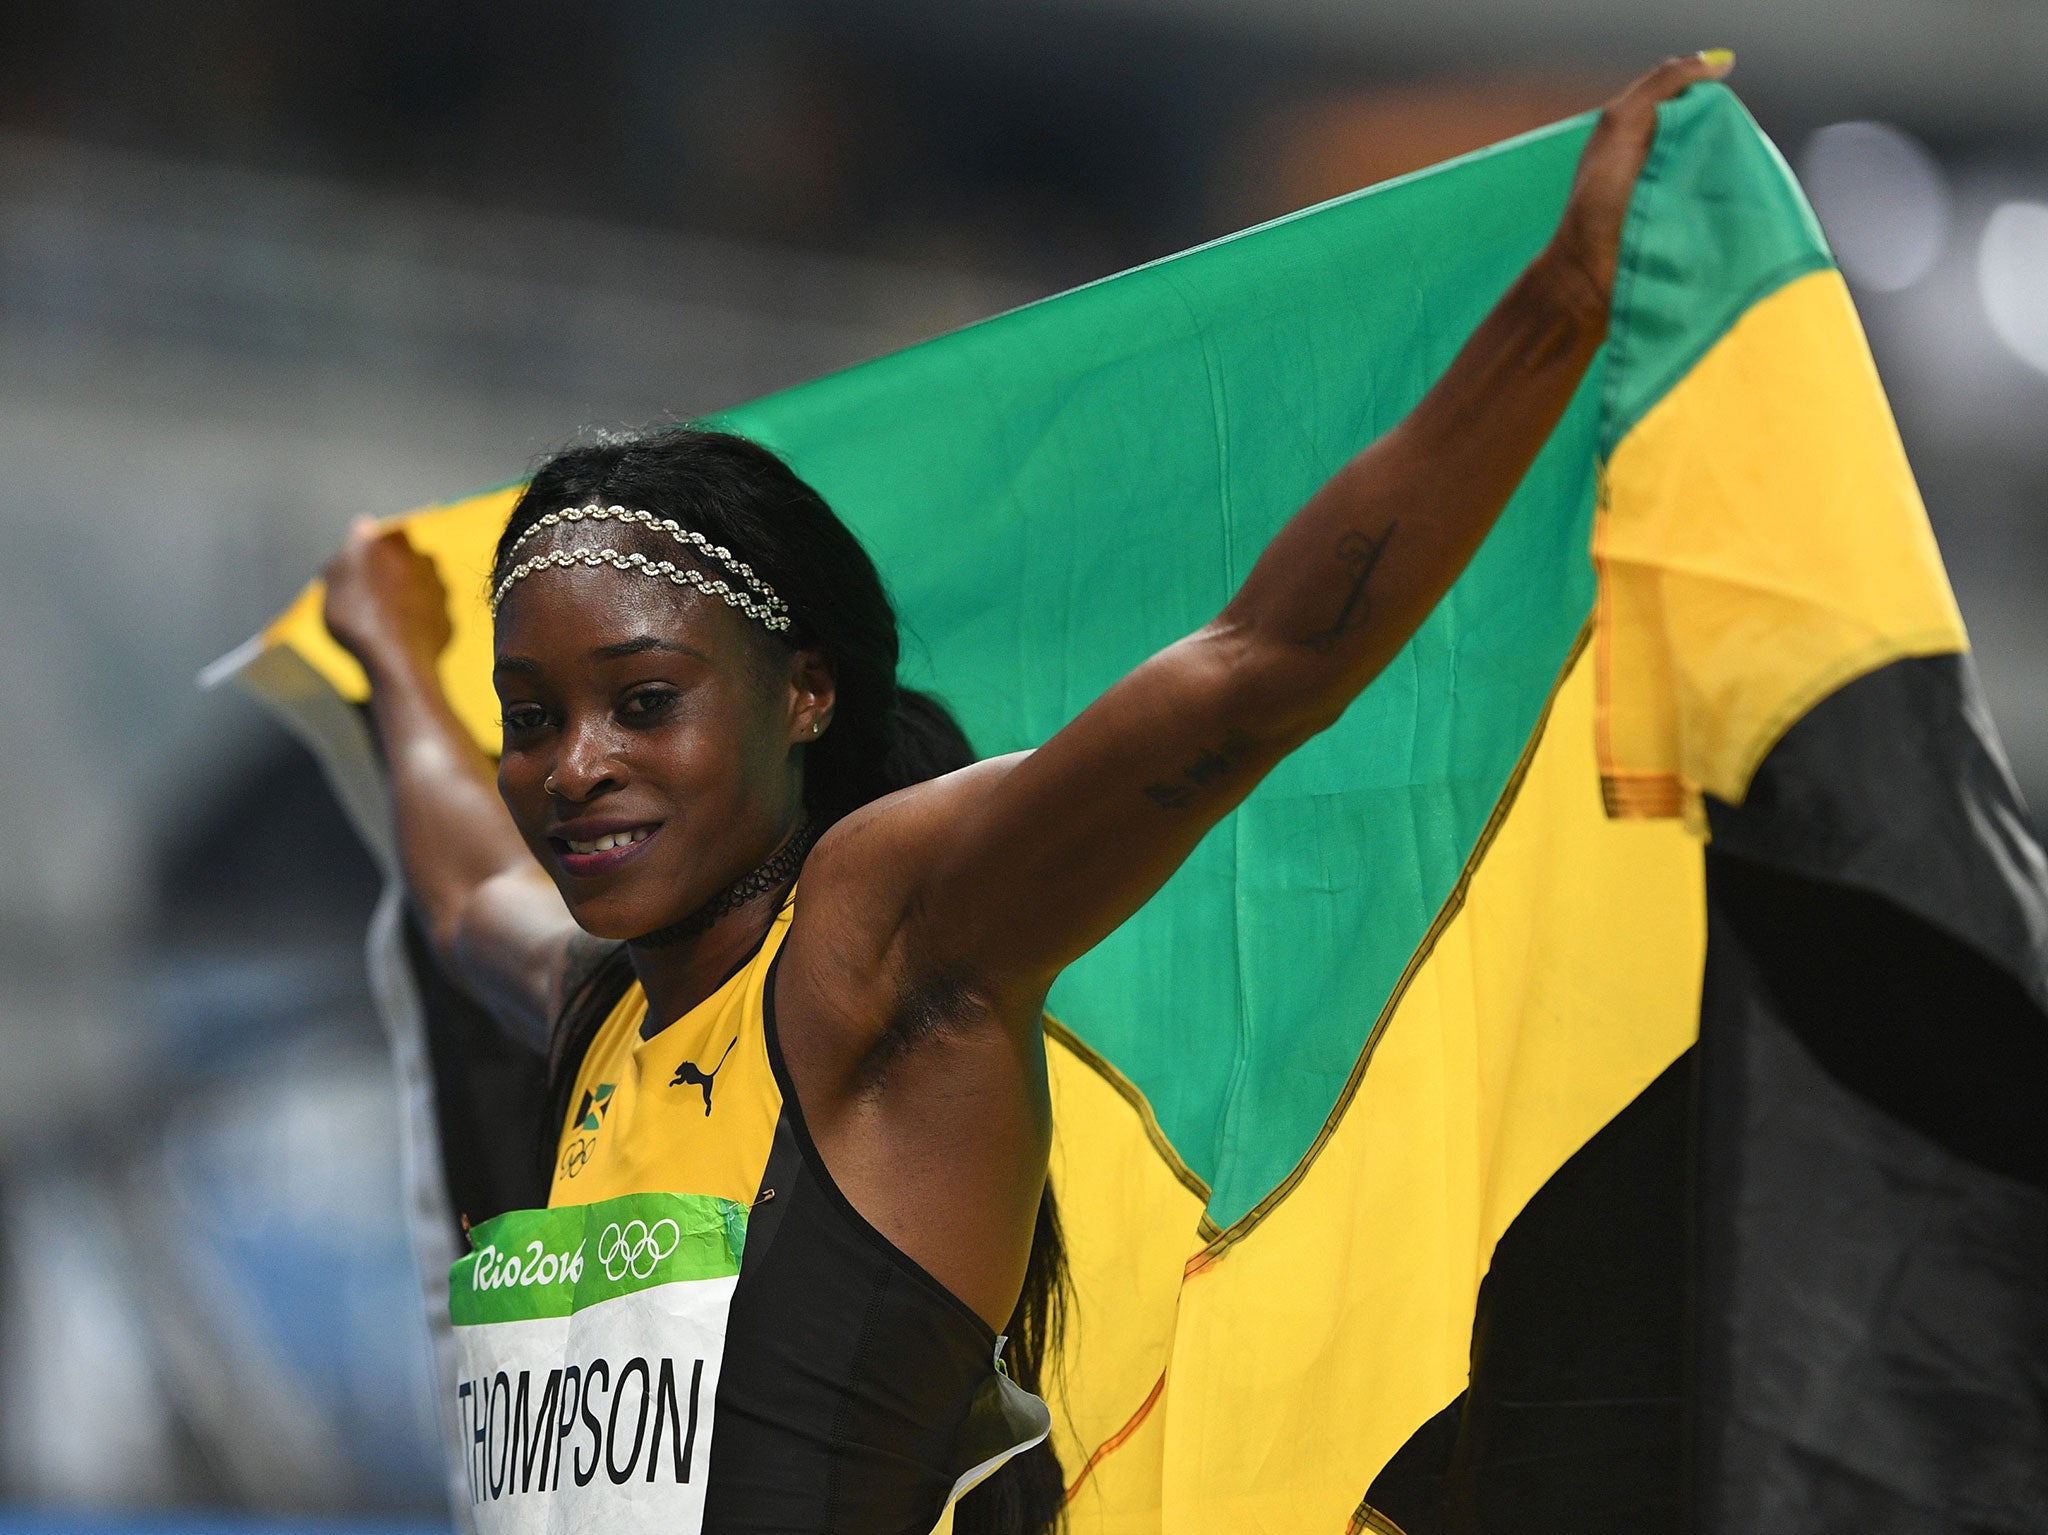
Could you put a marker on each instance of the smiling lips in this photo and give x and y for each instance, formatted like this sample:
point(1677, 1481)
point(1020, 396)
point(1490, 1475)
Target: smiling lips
point(604, 852)
point(610, 840)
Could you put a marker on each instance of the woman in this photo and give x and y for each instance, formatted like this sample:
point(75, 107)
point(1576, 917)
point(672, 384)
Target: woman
point(697, 669)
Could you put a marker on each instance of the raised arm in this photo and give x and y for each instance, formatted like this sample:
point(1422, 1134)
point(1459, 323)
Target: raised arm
point(1008, 872)
point(490, 911)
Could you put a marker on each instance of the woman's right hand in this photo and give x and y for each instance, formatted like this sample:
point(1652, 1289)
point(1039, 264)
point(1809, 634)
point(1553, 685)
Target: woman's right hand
point(1588, 238)
point(385, 601)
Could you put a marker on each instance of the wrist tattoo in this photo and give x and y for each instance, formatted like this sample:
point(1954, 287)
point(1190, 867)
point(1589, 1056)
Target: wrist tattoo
point(1361, 551)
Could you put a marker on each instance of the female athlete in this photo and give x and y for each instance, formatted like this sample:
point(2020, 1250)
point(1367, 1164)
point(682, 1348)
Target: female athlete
point(696, 663)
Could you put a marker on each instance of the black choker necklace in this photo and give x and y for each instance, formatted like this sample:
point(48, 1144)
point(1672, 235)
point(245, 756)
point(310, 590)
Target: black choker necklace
point(779, 870)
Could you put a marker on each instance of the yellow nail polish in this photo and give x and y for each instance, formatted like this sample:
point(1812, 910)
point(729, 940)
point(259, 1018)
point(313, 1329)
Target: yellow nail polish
point(1718, 58)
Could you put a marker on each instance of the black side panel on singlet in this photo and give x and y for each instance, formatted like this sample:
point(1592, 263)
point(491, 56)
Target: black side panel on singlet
point(849, 1372)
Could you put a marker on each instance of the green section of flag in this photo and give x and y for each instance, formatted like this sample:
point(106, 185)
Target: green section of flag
point(1717, 223)
point(1058, 492)
point(552, 1263)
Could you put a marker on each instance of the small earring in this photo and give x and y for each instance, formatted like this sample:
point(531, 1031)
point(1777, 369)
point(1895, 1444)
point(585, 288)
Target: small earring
point(817, 728)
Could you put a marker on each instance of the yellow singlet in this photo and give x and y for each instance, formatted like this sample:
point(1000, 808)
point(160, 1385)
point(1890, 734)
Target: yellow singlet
point(853, 1390)
point(691, 1110)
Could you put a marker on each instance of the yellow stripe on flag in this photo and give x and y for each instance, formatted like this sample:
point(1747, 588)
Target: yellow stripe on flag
point(459, 537)
point(1761, 543)
point(1309, 1349)
point(1131, 1219)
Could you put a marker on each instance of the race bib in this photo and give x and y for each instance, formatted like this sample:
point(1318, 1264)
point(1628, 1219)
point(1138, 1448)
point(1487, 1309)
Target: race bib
point(589, 1339)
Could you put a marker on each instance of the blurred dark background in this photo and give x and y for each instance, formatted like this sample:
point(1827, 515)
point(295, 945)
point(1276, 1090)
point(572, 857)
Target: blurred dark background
point(263, 268)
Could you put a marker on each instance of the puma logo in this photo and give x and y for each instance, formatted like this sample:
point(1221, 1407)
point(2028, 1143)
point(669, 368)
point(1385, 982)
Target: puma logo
point(690, 1072)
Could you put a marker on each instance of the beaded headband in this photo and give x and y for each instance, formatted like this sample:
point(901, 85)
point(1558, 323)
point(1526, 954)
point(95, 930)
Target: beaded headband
point(759, 601)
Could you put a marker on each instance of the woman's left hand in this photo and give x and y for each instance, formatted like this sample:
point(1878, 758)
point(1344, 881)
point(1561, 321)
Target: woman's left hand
point(1588, 239)
point(385, 603)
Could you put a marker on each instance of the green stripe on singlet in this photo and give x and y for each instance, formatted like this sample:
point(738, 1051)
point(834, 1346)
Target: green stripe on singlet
point(528, 1264)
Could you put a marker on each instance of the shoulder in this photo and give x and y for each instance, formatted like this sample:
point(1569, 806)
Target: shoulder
point(853, 955)
point(888, 844)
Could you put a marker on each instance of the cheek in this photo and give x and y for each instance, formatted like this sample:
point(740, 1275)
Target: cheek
point(520, 787)
point(721, 764)
point(704, 759)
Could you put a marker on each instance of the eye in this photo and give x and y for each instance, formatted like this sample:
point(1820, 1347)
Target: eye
point(525, 717)
point(644, 705)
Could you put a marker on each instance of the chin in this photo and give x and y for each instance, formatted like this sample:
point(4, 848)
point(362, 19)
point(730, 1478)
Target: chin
point(633, 908)
point(614, 915)
point(617, 921)
point(611, 931)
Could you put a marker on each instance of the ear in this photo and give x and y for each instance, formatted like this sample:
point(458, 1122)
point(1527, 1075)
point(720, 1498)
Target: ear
point(813, 692)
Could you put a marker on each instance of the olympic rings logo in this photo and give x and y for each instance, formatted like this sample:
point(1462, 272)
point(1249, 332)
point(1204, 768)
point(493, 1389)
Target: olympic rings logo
point(636, 1247)
point(577, 1155)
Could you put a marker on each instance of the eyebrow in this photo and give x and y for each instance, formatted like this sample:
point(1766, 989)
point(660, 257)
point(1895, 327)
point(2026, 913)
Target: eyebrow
point(641, 645)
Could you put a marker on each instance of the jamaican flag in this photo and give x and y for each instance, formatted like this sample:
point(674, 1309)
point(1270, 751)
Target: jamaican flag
point(1598, 1085)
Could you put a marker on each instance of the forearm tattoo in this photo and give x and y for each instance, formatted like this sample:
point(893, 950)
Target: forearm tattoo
point(1361, 551)
point(1208, 765)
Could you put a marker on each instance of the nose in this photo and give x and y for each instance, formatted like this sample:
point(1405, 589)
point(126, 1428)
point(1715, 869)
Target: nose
point(586, 766)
